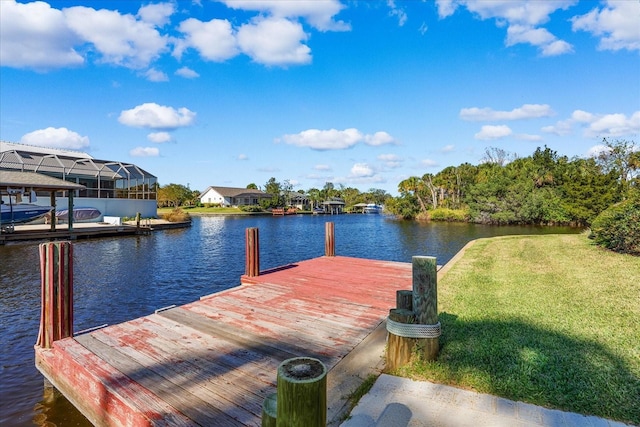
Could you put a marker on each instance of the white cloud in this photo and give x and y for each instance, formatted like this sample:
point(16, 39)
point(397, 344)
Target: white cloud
point(362, 170)
point(523, 19)
point(561, 128)
point(56, 138)
point(616, 24)
point(557, 47)
point(274, 42)
point(378, 138)
point(119, 39)
point(614, 125)
point(322, 167)
point(144, 152)
point(493, 132)
point(527, 111)
point(34, 35)
point(154, 116)
point(159, 137)
point(214, 40)
point(596, 150)
point(243, 157)
point(582, 116)
point(318, 14)
point(598, 125)
point(397, 12)
point(334, 139)
point(154, 75)
point(156, 14)
point(187, 73)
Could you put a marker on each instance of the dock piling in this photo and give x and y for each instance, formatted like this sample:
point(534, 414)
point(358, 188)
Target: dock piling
point(252, 251)
point(56, 272)
point(301, 398)
point(413, 325)
point(329, 239)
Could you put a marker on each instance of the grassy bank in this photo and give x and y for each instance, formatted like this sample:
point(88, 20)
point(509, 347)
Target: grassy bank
point(550, 320)
point(209, 211)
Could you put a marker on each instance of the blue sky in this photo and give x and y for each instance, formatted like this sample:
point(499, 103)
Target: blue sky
point(358, 93)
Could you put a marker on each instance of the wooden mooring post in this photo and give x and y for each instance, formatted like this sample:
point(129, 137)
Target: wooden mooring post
point(413, 325)
point(301, 397)
point(329, 239)
point(56, 272)
point(252, 251)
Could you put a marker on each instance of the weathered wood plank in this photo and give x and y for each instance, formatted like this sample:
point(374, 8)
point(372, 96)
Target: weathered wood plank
point(102, 393)
point(275, 349)
point(192, 372)
point(195, 408)
point(292, 321)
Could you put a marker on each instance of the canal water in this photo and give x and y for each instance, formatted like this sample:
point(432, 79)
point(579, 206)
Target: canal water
point(118, 279)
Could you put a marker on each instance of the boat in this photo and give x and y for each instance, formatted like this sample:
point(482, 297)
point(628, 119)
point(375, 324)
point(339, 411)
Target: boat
point(22, 212)
point(372, 208)
point(19, 212)
point(79, 214)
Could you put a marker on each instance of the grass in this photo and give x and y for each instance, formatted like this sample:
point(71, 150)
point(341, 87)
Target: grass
point(550, 320)
point(205, 211)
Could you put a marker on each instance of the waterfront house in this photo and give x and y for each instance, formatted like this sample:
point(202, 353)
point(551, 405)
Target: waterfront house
point(112, 187)
point(231, 196)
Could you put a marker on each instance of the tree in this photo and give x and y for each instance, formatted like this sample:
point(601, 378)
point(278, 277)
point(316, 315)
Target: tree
point(314, 196)
point(252, 186)
point(273, 188)
point(497, 156)
point(173, 195)
point(413, 186)
point(622, 157)
point(286, 190)
point(328, 191)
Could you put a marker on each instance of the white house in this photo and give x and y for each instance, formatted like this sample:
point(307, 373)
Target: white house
point(230, 196)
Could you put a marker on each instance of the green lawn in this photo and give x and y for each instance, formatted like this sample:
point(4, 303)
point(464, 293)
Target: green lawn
point(207, 211)
point(551, 320)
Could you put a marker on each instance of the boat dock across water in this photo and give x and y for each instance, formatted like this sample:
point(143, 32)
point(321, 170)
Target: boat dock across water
point(84, 230)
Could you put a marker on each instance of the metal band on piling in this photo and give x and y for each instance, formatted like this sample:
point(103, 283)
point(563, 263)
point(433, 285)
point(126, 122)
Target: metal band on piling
point(412, 330)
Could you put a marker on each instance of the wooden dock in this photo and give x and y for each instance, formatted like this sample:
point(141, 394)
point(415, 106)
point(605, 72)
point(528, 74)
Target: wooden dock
point(212, 362)
point(83, 231)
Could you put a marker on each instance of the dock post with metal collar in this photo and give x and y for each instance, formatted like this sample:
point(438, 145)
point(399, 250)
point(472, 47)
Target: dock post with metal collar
point(413, 325)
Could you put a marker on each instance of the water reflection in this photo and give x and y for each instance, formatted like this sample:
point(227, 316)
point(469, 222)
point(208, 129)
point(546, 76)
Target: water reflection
point(123, 278)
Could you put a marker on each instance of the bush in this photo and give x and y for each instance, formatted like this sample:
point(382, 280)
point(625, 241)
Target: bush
point(176, 215)
point(450, 215)
point(250, 208)
point(618, 227)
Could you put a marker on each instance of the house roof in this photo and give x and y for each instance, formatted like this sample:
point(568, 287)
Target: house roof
point(237, 192)
point(21, 157)
point(14, 179)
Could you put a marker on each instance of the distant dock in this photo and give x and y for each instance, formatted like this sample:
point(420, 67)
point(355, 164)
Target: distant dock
point(213, 361)
point(83, 230)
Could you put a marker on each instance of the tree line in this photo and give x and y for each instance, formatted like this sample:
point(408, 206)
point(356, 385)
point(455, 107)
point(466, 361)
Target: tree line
point(543, 188)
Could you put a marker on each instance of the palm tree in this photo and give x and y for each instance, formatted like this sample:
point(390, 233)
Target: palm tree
point(413, 185)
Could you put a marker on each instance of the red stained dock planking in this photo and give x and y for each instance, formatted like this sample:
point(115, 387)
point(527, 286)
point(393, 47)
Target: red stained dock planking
point(213, 361)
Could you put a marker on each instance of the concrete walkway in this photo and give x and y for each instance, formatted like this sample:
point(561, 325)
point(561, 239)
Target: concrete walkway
point(400, 402)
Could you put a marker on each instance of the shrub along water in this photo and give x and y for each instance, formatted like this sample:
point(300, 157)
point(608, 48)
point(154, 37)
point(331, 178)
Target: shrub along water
point(618, 227)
